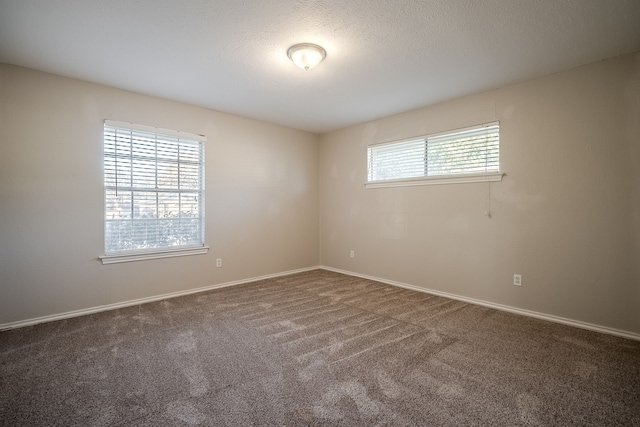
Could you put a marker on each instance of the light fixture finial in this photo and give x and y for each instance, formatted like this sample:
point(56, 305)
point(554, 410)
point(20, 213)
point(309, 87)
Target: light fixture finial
point(306, 55)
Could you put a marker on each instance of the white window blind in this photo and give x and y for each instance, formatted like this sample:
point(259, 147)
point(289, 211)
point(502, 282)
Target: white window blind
point(471, 152)
point(154, 188)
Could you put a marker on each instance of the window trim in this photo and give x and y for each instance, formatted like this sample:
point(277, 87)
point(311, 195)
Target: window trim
point(152, 129)
point(141, 255)
point(461, 178)
point(157, 252)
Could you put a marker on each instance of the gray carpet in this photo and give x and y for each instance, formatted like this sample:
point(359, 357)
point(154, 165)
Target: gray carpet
point(315, 348)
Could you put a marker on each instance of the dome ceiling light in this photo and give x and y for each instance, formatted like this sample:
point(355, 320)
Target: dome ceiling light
point(306, 55)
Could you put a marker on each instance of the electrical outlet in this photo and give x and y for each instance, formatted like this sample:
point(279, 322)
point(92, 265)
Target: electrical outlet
point(219, 262)
point(517, 279)
point(352, 254)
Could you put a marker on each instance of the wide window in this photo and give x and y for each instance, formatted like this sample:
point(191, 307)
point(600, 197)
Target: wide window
point(154, 192)
point(464, 155)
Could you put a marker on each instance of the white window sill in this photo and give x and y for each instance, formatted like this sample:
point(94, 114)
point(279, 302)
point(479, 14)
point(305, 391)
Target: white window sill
point(435, 180)
point(130, 256)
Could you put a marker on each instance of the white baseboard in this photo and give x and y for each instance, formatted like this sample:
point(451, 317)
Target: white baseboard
point(529, 313)
point(501, 307)
point(82, 312)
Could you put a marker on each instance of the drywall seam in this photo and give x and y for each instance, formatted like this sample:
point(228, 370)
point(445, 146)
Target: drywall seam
point(92, 310)
point(501, 307)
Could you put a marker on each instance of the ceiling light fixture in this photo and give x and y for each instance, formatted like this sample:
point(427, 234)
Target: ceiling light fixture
point(306, 55)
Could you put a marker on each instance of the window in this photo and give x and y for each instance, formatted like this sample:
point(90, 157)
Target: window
point(465, 155)
point(154, 193)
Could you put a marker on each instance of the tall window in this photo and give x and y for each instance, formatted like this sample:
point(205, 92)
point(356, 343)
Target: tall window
point(466, 155)
point(154, 189)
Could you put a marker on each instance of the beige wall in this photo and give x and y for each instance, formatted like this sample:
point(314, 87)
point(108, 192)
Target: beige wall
point(566, 216)
point(261, 197)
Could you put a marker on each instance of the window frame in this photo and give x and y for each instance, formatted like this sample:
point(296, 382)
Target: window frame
point(127, 255)
point(455, 178)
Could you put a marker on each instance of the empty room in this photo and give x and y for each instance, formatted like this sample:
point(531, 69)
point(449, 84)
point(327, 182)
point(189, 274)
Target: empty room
point(298, 213)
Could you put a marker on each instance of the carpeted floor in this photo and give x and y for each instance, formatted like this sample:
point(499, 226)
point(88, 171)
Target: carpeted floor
point(316, 348)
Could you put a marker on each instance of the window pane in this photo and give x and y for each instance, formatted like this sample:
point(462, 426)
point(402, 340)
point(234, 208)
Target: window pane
point(167, 149)
point(464, 152)
point(189, 152)
point(168, 205)
point(189, 176)
point(144, 173)
point(145, 178)
point(399, 160)
point(118, 204)
point(168, 175)
point(469, 151)
point(144, 205)
point(118, 235)
point(189, 205)
point(122, 177)
point(144, 234)
point(143, 145)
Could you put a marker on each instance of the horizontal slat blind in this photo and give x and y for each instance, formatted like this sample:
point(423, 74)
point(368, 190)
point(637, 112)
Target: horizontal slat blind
point(399, 160)
point(469, 151)
point(154, 190)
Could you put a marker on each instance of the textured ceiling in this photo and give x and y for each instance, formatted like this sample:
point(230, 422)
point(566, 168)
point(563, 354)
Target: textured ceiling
point(383, 56)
